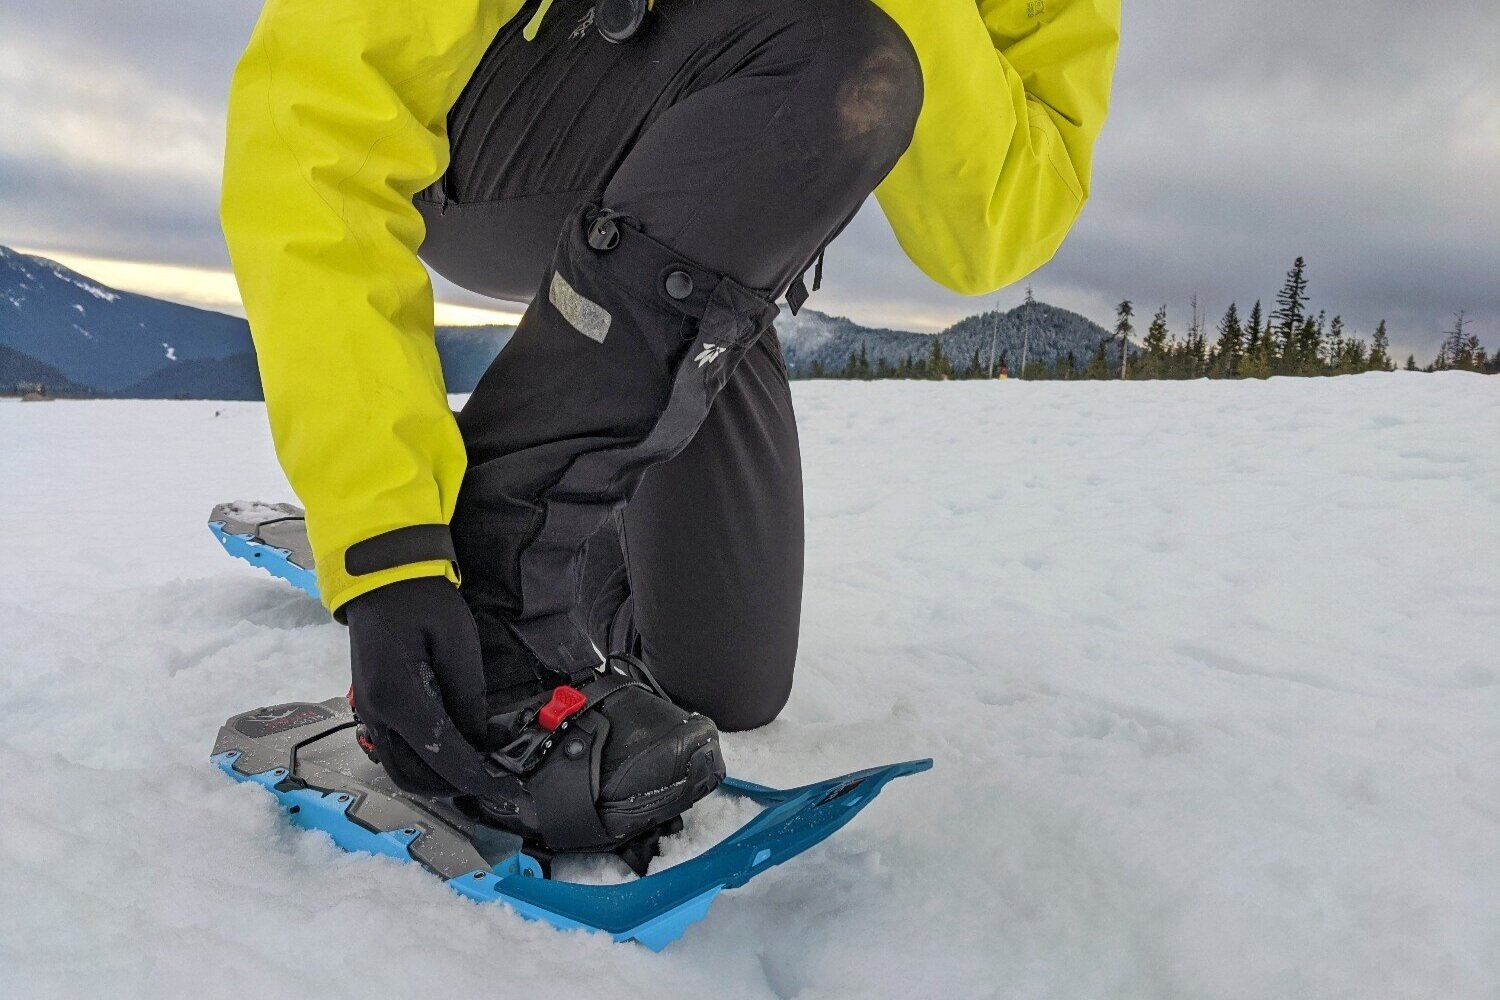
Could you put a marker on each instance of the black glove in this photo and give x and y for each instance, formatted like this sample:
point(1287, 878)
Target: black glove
point(419, 685)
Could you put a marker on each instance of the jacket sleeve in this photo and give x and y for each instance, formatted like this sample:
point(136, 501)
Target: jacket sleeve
point(1016, 92)
point(336, 119)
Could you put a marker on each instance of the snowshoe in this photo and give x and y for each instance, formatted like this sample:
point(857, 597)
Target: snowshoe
point(577, 792)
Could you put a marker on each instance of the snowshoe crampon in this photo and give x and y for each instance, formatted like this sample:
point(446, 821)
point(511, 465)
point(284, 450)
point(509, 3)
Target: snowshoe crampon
point(309, 756)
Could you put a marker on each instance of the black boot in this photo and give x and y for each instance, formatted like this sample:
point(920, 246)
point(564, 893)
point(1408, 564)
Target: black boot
point(602, 764)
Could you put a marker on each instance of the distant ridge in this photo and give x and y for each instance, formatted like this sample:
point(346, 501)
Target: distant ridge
point(82, 338)
point(812, 337)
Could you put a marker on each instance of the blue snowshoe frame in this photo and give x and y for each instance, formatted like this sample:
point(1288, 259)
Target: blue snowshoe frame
point(653, 910)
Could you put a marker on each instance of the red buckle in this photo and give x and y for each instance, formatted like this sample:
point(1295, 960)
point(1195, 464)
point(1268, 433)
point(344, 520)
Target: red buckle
point(566, 702)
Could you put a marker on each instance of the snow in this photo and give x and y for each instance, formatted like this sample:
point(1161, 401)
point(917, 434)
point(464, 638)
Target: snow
point(170, 351)
point(1208, 671)
point(78, 281)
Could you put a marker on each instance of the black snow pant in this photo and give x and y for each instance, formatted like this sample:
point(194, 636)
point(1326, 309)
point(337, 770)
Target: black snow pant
point(634, 478)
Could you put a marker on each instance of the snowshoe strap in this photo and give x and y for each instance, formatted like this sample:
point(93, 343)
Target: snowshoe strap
point(564, 790)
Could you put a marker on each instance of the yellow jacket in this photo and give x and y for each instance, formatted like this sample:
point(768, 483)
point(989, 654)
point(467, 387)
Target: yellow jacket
point(337, 118)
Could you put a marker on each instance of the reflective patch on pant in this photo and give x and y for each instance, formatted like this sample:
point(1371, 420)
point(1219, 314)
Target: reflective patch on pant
point(587, 317)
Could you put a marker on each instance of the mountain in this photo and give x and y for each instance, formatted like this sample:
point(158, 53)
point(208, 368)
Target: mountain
point(813, 337)
point(100, 337)
point(18, 370)
point(78, 337)
point(234, 377)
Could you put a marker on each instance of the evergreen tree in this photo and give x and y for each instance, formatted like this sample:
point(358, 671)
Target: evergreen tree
point(1124, 312)
point(1230, 345)
point(975, 369)
point(1098, 366)
point(1303, 355)
point(1291, 311)
point(938, 365)
point(1380, 350)
point(1067, 368)
point(1411, 362)
point(1154, 364)
point(818, 370)
point(1254, 331)
point(1461, 350)
point(1195, 348)
point(1334, 346)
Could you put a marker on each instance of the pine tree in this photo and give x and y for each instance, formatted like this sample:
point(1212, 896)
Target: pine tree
point(1259, 347)
point(1098, 366)
point(1253, 332)
point(1334, 346)
point(1291, 311)
point(1460, 349)
point(1154, 364)
point(1195, 348)
point(818, 370)
point(1304, 354)
point(1230, 345)
point(1380, 350)
point(1067, 368)
point(1411, 362)
point(1124, 312)
point(938, 365)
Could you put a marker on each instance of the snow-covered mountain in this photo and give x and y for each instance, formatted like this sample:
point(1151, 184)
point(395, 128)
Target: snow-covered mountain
point(100, 337)
point(812, 337)
point(79, 337)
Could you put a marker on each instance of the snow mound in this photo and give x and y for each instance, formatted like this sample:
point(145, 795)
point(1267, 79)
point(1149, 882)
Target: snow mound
point(1208, 671)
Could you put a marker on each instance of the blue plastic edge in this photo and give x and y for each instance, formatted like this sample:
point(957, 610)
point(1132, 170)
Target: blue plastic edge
point(654, 910)
point(275, 561)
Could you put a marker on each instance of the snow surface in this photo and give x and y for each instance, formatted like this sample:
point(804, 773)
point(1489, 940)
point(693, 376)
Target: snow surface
point(1209, 671)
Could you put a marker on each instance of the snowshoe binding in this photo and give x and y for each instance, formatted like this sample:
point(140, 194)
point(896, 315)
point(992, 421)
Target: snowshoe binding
point(608, 766)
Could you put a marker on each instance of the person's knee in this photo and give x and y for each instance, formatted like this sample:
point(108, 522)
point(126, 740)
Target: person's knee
point(756, 704)
point(875, 82)
point(746, 687)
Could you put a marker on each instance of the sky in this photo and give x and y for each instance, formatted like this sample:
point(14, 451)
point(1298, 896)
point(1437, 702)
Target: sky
point(1364, 137)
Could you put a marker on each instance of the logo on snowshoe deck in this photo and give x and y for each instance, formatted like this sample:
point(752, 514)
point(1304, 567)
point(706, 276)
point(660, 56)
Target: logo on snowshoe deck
point(280, 718)
point(709, 353)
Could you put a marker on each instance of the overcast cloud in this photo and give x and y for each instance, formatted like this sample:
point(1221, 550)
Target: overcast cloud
point(1364, 136)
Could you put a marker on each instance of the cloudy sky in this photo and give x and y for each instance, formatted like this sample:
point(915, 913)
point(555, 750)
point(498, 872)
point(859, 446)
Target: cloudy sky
point(1363, 136)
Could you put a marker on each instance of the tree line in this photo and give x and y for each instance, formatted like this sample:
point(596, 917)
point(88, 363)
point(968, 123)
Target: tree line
point(1291, 340)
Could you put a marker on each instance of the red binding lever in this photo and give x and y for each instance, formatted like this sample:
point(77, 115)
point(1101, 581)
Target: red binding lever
point(566, 702)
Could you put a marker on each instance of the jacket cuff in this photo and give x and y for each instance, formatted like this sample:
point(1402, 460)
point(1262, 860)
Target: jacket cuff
point(406, 553)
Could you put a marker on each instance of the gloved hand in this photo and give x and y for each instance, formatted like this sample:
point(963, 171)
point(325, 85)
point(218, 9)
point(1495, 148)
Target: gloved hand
point(419, 685)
